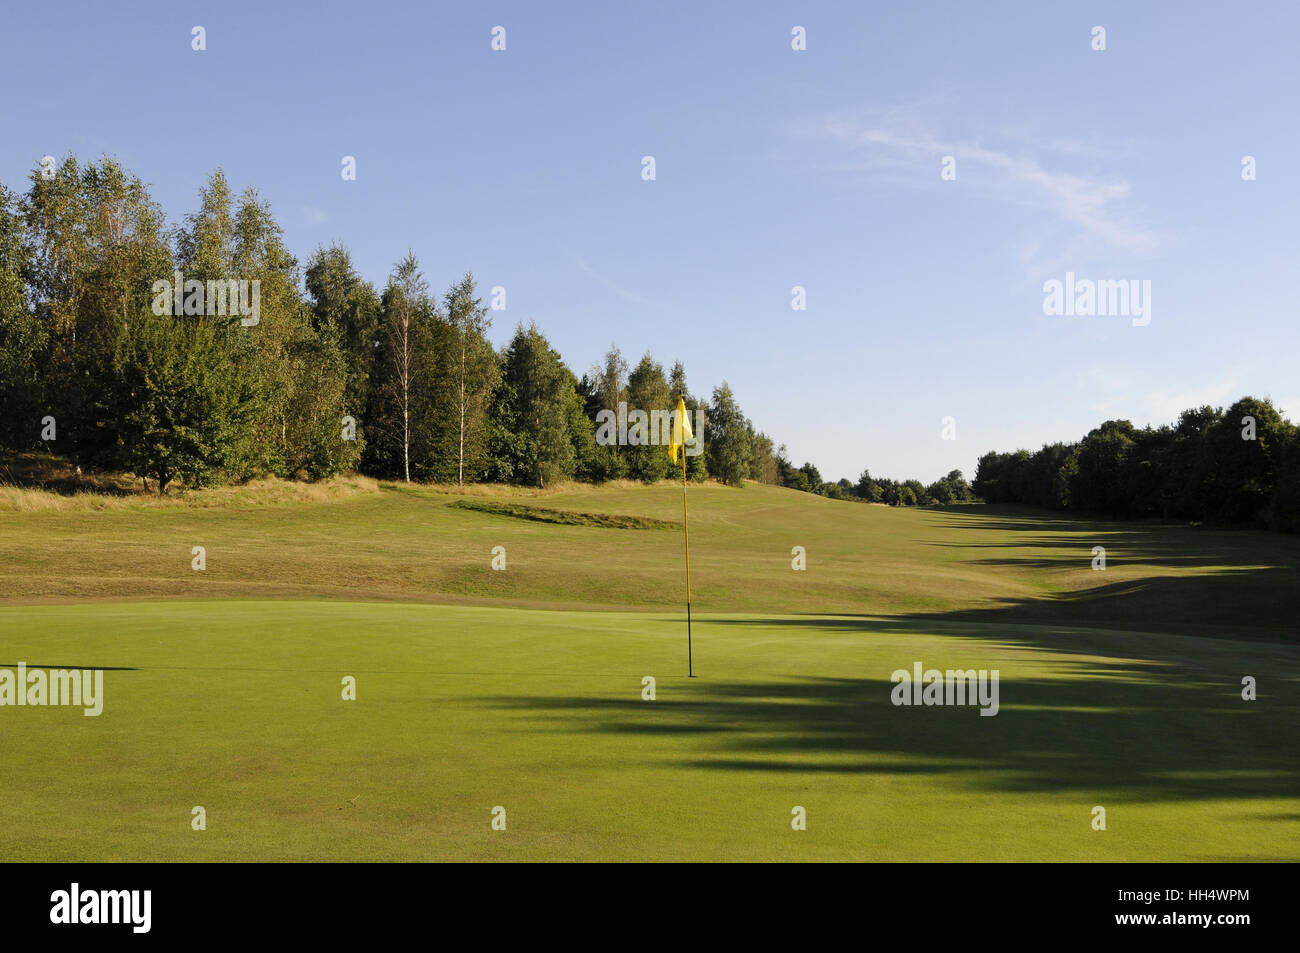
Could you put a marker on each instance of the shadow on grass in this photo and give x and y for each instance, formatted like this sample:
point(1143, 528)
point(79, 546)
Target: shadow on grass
point(1247, 586)
point(1246, 604)
point(51, 665)
point(1117, 713)
point(42, 471)
point(1105, 730)
point(1144, 541)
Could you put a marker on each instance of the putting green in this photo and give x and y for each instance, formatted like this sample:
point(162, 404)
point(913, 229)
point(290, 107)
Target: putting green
point(235, 705)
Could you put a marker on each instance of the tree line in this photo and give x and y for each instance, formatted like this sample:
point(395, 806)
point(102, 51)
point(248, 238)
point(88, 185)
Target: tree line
point(952, 488)
point(336, 375)
point(402, 383)
point(1235, 467)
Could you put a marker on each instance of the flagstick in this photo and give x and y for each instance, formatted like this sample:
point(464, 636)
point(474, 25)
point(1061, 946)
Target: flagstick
point(686, 525)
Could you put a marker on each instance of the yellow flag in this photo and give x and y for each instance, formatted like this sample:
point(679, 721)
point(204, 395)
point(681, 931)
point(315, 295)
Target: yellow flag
point(681, 430)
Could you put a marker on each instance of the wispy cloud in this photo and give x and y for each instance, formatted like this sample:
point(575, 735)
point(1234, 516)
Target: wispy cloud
point(1086, 201)
point(609, 283)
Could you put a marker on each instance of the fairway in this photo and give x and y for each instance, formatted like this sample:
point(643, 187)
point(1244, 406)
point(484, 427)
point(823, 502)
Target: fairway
point(235, 705)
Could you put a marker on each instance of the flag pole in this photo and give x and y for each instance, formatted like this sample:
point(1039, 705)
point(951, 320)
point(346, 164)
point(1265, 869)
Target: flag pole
point(690, 661)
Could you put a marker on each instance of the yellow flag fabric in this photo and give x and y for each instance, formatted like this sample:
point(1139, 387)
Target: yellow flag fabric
point(681, 430)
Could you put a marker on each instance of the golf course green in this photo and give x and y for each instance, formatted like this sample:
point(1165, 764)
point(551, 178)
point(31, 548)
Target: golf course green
point(523, 687)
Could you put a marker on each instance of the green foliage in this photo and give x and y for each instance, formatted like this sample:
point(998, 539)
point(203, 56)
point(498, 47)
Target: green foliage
point(1285, 511)
point(464, 371)
point(728, 447)
point(531, 441)
point(812, 477)
point(24, 338)
point(1233, 467)
point(175, 405)
point(313, 435)
point(604, 389)
point(345, 307)
point(647, 391)
point(868, 489)
point(96, 244)
point(402, 389)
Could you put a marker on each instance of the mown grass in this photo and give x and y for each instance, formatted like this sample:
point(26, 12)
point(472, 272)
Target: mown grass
point(236, 706)
point(522, 687)
point(393, 542)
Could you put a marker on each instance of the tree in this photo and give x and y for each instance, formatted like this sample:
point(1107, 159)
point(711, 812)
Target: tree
point(797, 480)
point(473, 372)
point(314, 445)
point(868, 489)
point(647, 392)
point(607, 388)
point(175, 406)
point(1246, 447)
point(814, 477)
point(406, 312)
point(1285, 508)
point(532, 440)
point(205, 246)
point(97, 245)
point(765, 466)
point(265, 349)
point(1099, 486)
point(1043, 486)
point(346, 307)
point(991, 483)
point(961, 491)
point(24, 339)
point(728, 449)
point(1190, 470)
point(940, 491)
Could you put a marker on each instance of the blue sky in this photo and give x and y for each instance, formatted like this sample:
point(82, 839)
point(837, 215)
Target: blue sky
point(775, 168)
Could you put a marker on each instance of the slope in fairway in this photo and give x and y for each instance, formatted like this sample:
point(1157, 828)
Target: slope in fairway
point(235, 706)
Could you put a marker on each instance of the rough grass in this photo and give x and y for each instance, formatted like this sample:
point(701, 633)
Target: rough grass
point(264, 492)
point(39, 482)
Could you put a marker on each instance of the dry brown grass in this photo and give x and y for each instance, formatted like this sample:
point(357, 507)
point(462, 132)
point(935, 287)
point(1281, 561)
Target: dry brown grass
point(34, 482)
point(264, 492)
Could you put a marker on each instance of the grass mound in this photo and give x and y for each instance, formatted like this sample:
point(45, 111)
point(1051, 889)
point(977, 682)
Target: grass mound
point(543, 514)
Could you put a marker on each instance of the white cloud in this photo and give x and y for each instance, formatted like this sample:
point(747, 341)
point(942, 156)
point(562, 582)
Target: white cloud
point(1084, 201)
